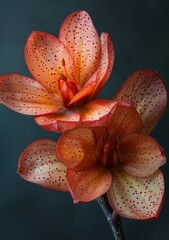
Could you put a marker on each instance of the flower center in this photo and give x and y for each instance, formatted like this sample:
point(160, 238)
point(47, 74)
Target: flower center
point(67, 89)
point(109, 155)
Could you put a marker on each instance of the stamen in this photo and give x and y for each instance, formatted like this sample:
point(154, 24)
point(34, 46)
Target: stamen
point(67, 87)
point(109, 155)
point(63, 62)
point(71, 78)
point(64, 91)
point(72, 87)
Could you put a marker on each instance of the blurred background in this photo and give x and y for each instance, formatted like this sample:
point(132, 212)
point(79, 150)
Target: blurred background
point(140, 33)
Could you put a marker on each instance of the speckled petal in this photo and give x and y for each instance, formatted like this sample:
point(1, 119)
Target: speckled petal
point(105, 64)
point(145, 89)
point(48, 60)
point(80, 37)
point(140, 155)
point(65, 117)
point(92, 114)
point(97, 109)
point(38, 164)
point(78, 149)
point(137, 198)
point(88, 185)
point(124, 120)
point(24, 95)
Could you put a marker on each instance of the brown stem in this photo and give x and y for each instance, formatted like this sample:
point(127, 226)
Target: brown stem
point(112, 217)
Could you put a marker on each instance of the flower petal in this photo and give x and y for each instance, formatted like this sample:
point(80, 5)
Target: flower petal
point(24, 95)
point(88, 185)
point(105, 64)
point(50, 122)
point(80, 37)
point(124, 120)
point(48, 60)
point(38, 164)
point(140, 155)
point(137, 198)
point(78, 149)
point(81, 96)
point(97, 109)
point(146, 91)
point(93, 114)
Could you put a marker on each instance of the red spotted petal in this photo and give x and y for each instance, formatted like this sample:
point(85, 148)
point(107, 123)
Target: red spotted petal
point(24, 95)
point(124, 120)
point(146, 91)
point(134, 197)
point(78, 149)
point(105, 65)
point(51, 122)
point(140, 155)
point(48, 60)
point(38, 164)
point(97, 109)
point(93, 114)
point(88, 185)
point(80, 37)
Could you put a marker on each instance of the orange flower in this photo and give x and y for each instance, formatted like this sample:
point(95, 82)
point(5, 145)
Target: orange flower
point(143, 88)
point(116, 158)
point(69, 71)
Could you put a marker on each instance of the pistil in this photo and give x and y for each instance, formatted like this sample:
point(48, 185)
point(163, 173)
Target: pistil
point(109, 155)
point(67, 89)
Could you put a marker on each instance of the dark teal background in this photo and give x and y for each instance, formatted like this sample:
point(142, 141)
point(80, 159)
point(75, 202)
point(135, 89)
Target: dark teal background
point(140, 32)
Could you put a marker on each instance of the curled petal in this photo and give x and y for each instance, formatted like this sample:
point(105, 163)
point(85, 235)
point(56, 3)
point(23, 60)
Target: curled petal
point(140, 155)
point(124, 120)
point(145, 89)
point(80, 37)
point(134, 197)
point(77, 149)
point(48, 60)
point(92, 114)
point(82, 95)
point(97, 109)
point(51, 122)
point(105, 64)
point(38, 164)
point(88, 185)
point(24, 95)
